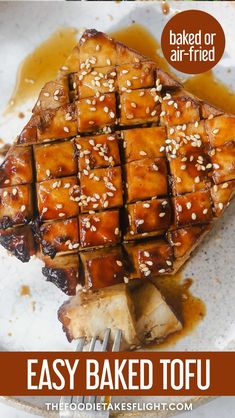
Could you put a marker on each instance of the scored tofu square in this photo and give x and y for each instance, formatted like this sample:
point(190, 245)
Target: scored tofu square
point(97, 50)
point(144, 142)
point(187, 138)
point(221, 130)
point(179, 110)
point(189, 173)
point(55, 160)
point(104, 267)
point(102, 80)
point(97, 151)
point(96, 113)
point(19, 241)
point(149, 216)
point(90, 313)
point(17, 167)
point(135, 76)
point(54, 94)
point(223, 160)
point(63, 272)
point(222, 195)
point(154, 319)
point(16, 205)
point(192, 208)
point(139, 106)
point(99, 229)
point(59, 236)
point(151, 258)
point(101, 189)
point(146, 178)
point(184, 240)
point(56, 198)
point(58, 123)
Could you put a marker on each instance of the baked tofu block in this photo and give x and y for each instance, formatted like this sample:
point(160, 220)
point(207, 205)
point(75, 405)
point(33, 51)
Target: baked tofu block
point(91, 313)
point(57, 198)
point(17, 167)
point(72, 63)
point(223, 160)
point(101, 189)
point(53, 95)
point(29, 134)
point(96, 50)
point(100, 228)
point(184, 240)
point(221, 130)
point(104, 267)
point(166, 80)
point(63, 271)
point(222, 195)
point(187, 139)
point(139, 106)
point(179, 110)
point(146, 178)
point(16, 205)
point(193, 208)
point(59, 237)
point(128, 55)
point(55, 160)
point(151, 258)
point(149, 216)
point(136, 76)
point(154, 318)
point(58, 123)
point(189, 173)
point(96, 113)
point(144, 142)
point(19, 241)
point(97, 80)
point(97, 151)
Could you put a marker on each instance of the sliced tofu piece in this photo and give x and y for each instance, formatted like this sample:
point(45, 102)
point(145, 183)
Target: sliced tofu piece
point(154, 318)
point(89, 313)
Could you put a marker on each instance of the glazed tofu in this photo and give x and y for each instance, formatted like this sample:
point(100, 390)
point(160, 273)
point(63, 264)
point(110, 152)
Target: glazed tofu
point(90, 313)
point(192, 208)
point(97, 151)
point(136, 76)
point(187, 139)
point(59, 237)
point(98, 229)
point(53, 95)
point(96, 113)
point(184, 240)
point(97, 50)
point(19, 241)
point(221, 130)
point(63, 271)
point(58, 123)
point(189, 173)
point(55, 160)
point(16, 205)
point(101, 189)
point(17, 167)
point(100, 79)
point(57, 198)
point(146, 178)
point(139, 106)
point(151, 258)
point(223, 160)
point(148, 216)
point(154, 318)
point(104, 267)
point(179, 110)
point(222, 195)
point(29, 134)
point(144, 142)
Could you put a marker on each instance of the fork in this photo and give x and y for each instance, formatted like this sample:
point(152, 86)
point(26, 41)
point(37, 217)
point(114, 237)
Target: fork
point(91, 399)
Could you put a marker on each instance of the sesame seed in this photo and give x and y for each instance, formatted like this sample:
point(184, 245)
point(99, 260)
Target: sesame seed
point(188, 205)
point(147, 110)
point(183, 167)
point(220, 205)
point(44, 210)
point(97, 48)
point(133, 104)
point(224, 186)
point(48, 173)
point(67, 185)
point(66, 129)
point(14, 191)
point(112, 115)
point(119, 263)
point(194, 216)
point(59, 206)
point(116, 231)
point(106, 203)
point(5, 193)
point(155, 167)
point(146, 205)
point(188, 104)
point(46, 94)
point(168, 262)
point(215, 131)
point(179, 208)
point(162, 271)
point(143, 153)
point(108, 61)
point(197, 179)
point(162, 214)
point(205, 211)
point(140, 221)
point(23, 207)
point(61, 214)
point(126, 279)
point(146, 254)
point(216, 166)
point(128, 83)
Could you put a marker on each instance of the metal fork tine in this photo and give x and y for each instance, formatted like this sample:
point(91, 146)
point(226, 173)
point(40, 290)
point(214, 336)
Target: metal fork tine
point(92, 344)
point(81, 343)
point(106, 339)
point(117, 341)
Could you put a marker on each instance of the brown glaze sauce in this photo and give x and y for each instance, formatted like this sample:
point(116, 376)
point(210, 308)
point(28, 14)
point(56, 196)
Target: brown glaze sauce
point(25, 290)
point(165, 7)
point(42, 65)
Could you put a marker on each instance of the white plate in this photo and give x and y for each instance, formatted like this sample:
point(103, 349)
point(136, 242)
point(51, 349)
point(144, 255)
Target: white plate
point(23, 25)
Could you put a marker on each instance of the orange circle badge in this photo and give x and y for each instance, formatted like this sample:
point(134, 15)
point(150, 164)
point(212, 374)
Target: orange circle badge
point(193, 41)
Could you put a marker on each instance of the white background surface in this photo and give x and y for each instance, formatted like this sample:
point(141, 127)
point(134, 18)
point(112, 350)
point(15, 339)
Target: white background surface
point(218, 408)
